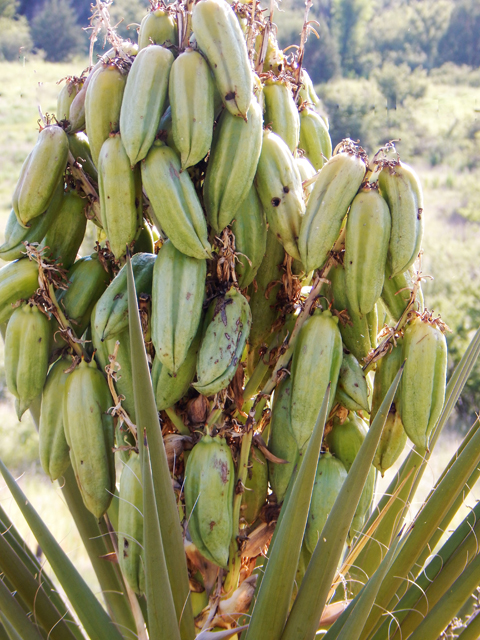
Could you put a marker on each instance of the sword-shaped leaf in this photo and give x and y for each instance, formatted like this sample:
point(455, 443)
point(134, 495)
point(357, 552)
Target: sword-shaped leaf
point(90, 612)
point(425, 524)
point(33, 594)
point(29, 560)
point(438, 576)
point(448, 606)
point(307, 609)
point(472, 630)
point(97, 546)
point(271, 607)
point(350, 624)
point(15, 615)
point(163, 615)
point(417, 460)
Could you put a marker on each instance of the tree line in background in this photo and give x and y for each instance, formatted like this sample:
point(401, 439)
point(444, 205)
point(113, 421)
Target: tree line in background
point(354, 36)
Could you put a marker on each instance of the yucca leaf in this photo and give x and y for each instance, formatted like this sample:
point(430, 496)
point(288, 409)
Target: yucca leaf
point(307, 609)
point(28, 587)
point(8, 629)
point(271, 606)
point(91, 614)
point(417, 460)
point(448, 606)
point(417, 592)
point(472, 630)
point(16, 616)
point(97, 546)
point(443, 580)
point(163, 615)
point(350, 624)
point(262, 560)
point(29, 560)
point(425, 524)
point(469, 485)
point(3, 634)
point(362, 541)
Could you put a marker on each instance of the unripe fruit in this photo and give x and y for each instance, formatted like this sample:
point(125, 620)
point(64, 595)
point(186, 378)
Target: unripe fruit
point(209, 484)
point(90, 435)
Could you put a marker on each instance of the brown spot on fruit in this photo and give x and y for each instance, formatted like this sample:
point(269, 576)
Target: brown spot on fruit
point(276, 202)
point(212, 524)
point(286, 189)
point(230, 95)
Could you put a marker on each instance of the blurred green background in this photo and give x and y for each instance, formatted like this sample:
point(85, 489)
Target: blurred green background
point(385, 69)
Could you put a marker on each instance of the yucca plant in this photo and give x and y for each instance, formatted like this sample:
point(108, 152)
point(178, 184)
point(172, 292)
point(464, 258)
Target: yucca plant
point(249, 345)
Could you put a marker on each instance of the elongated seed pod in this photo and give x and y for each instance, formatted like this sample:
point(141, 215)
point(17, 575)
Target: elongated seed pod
point(352, 391)
point(307, 171)
point(177, 299)
point(366, 246)
point(87, 279)
point(223, 343)
point(220, 38)
point(66, 233)
point(103, 102)
point(422, 389)
point(36, 187)
point(279, 186)
point(281, 111)
point(401, 189)
point(16, 234)
point(209, 485)
point(111, 312)
point(80, 149)
point(329, 480)
point(397, 290)
point(250, 230)
point(314, 138)
point(18, 281)
point(27, 347)
point(130, 525)
point(282, 441)
point(192, 118)
point(157, 27)
point(90, 435)
point(76, 114)
point(144, 100)
point(393, 438)
point(263, 292)
point(176, 207)
point(345, 438)
point(120, 195)
point(53, 445)
point(317, 359)
point(358, 332)
point(327, 206)
point(232, 165)
point(307, 93)
point(170, 387)
point(67, 94)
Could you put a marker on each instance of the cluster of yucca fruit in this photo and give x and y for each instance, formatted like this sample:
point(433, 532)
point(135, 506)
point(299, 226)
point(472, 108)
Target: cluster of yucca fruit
point(247, 347)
